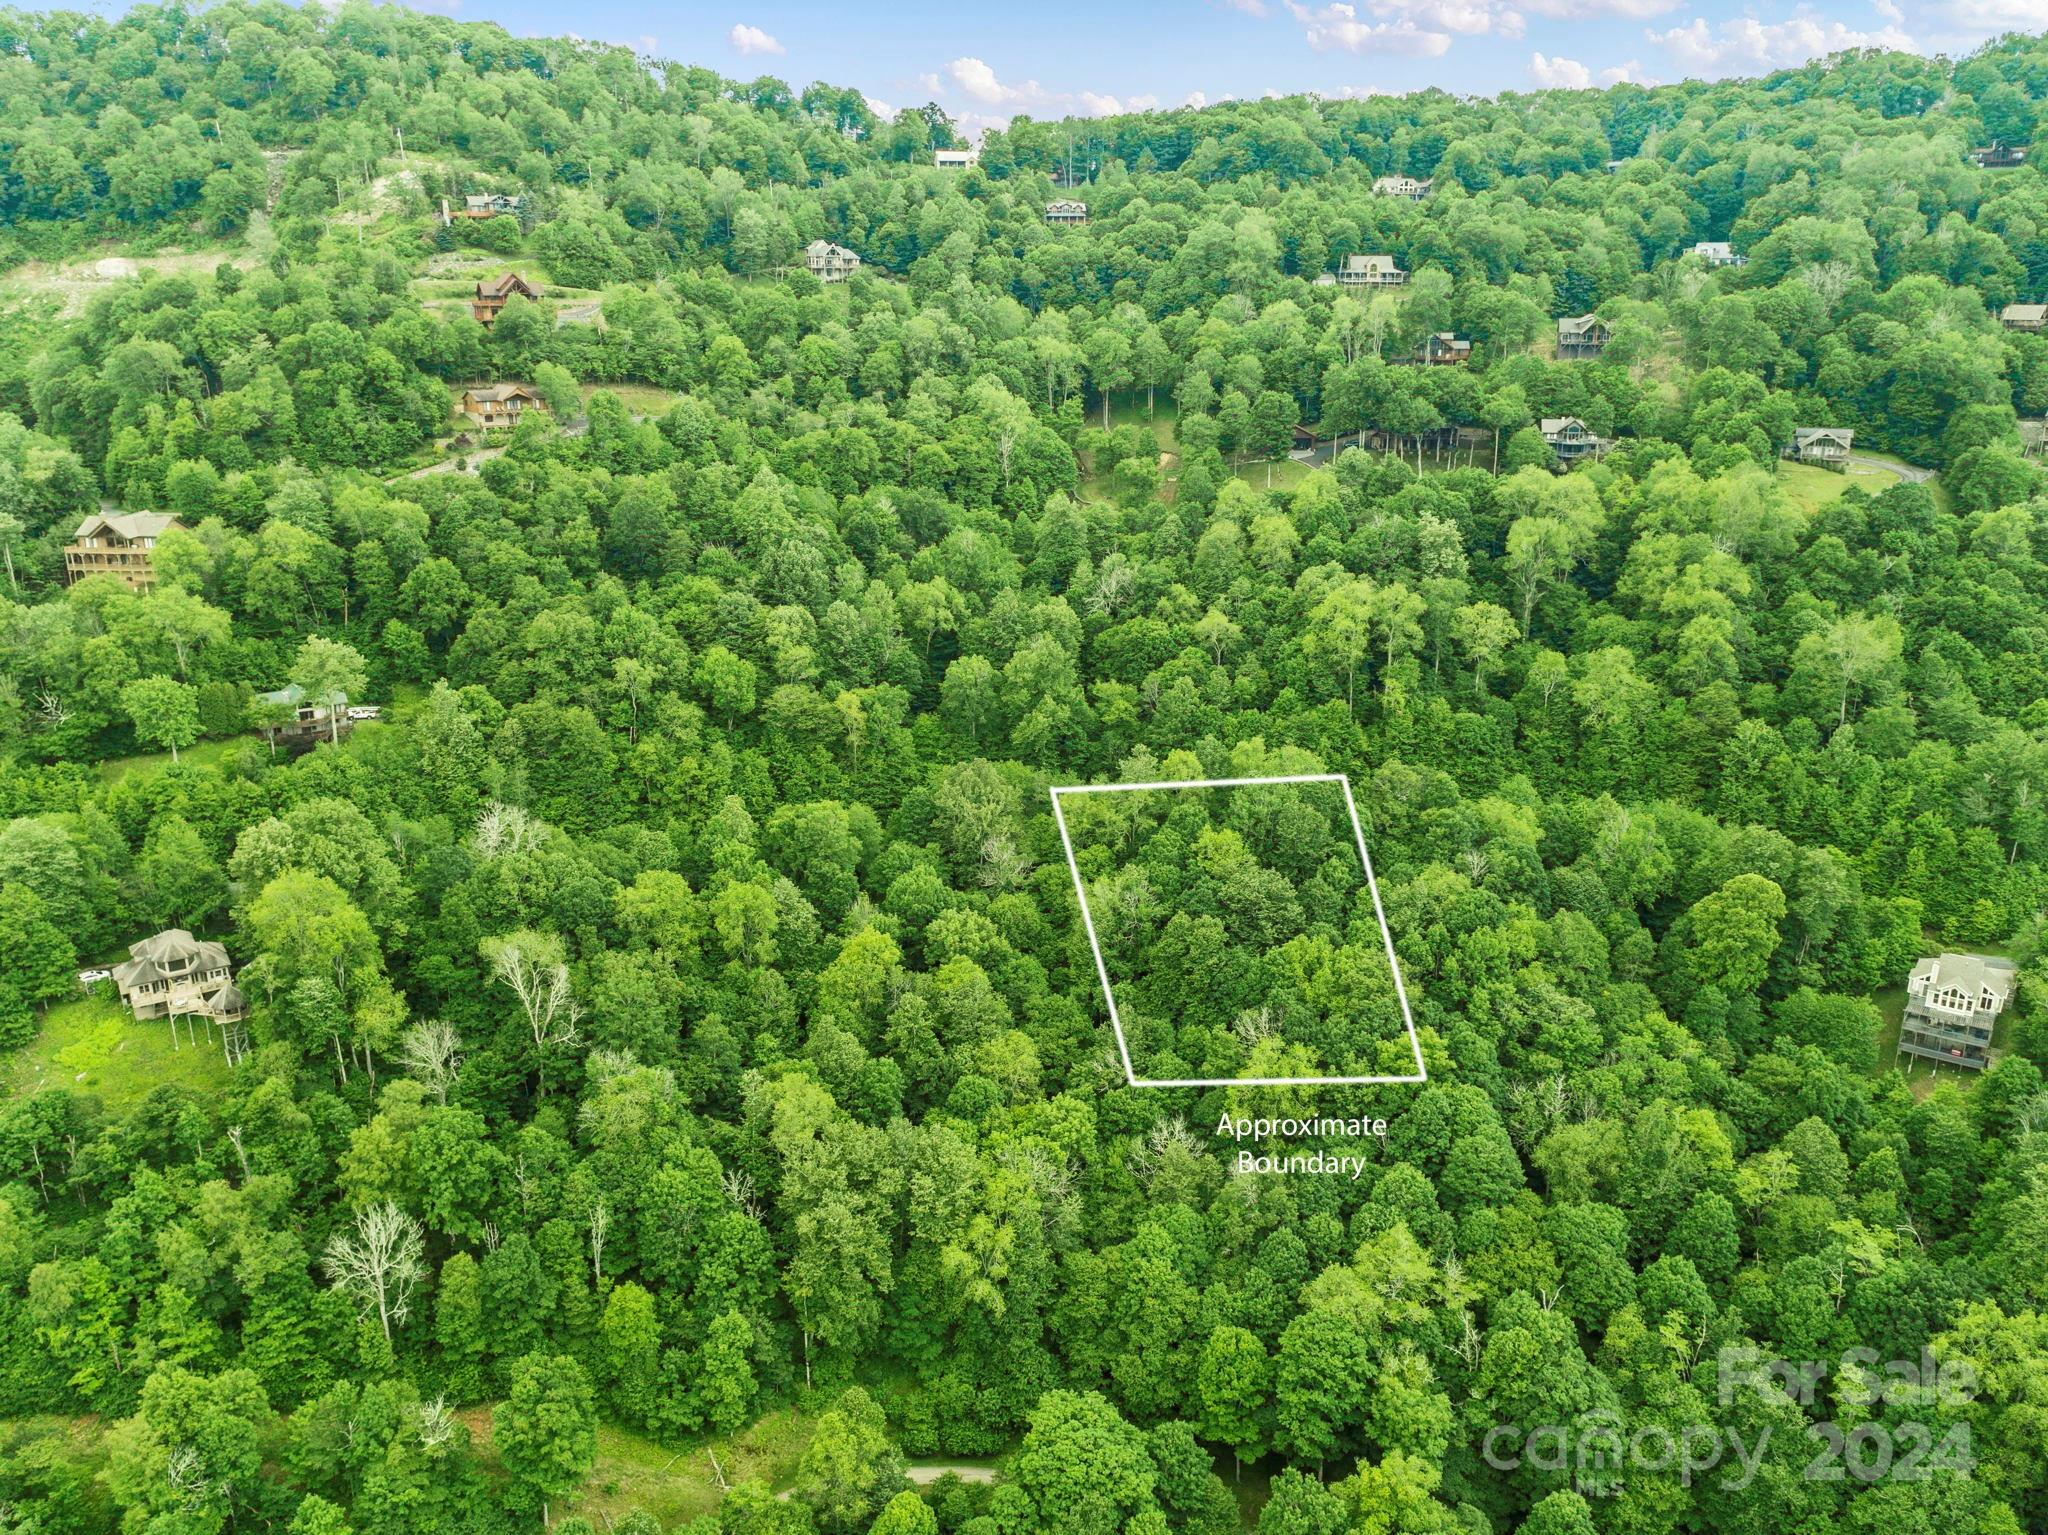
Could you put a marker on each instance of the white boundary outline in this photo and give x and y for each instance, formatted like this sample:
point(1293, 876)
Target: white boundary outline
point(1343, 780)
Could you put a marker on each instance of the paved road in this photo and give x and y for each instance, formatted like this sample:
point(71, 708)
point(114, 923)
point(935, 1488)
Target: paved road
point(1912, 474)
point(924, 1476)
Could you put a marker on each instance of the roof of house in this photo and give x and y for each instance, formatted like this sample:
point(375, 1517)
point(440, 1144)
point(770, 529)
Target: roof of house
point(1803, 435)
point(1066, 205)
point(1579, 325)
point(127, 524)
point(293, 695)
point(1451, 339)
point(1553, 425)
point(2037, 312)
point(161, 953)
point(1971, 972)
point(1714, 248)
point(502, 285)
point(1361, 262)
point(491, 394)
point(827, 248)
point(228, 999)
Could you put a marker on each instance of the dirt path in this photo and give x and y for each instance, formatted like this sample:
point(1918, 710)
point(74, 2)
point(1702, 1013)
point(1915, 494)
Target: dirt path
point(924, 1476)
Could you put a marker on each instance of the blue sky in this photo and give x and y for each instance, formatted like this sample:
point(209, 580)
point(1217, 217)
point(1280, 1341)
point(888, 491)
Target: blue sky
point(985, 62)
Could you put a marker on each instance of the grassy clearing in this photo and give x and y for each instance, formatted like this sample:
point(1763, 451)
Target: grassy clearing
point(1811, 487)
point(201, 753)
point(94, 1046)
point(674, 1485)
point(640, 399)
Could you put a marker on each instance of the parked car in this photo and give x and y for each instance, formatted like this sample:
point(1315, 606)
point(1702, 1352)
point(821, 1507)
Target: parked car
point(364, 711)
point(88, 977)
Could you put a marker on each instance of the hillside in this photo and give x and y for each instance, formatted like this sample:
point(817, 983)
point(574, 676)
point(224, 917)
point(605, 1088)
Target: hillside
point(605, 723)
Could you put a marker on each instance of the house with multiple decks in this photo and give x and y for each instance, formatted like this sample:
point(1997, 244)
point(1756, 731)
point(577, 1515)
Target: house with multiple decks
point(1952, 1002)
point(118, 544)
point(1827, 446)
point(174, 974)
point(1406, 187)
point(1443, 349)
point(1370, 271)
point(1999, 157)
point(956, 159)
point(492, 295)
point(830, 263)
point(492, 406)
point(1581, 338)
point(302, 720)
point(1571, 439)
point(1066, 210)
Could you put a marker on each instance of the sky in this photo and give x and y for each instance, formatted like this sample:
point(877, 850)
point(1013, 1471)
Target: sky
point(984, 62)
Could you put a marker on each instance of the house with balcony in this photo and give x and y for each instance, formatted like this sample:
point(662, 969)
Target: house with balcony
point(2031, 318)
point(1443, 349)
point(1370, 271)
point(956, 159)
point(830, 263)
point(301, 719)
point(1999, 157)
point(174, 974)
point(1952, 1002)
point(1719, 253)
point(484, 205)
point(1826, 446)
point(1581, 338)
point(493, 406)
point(1405, 187)
point(1571, 439)
point(118, 544)
point(1066, 210)
point(494, 293)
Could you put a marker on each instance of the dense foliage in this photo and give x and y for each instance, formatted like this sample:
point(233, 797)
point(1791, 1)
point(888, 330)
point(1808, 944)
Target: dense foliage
point(676, 1008)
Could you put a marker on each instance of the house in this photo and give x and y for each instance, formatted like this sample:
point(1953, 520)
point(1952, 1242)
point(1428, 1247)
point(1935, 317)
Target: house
point(2033, 438)
point(1571, 439)
point(174, 974)
point(492, 295)
point(1827, 446)
point(1582, 337)
point(119, 544)
point(1373, 271)
point(1065, 210)
point(1719, 253)
point(310, 719)
point(1615, 165)
point(956, 159)
point(1999, 157)
point(1442, 348)
point(1400, 186)
point(496, 405)
point(1951, 1004)
point(829, 262)
point(2032, 318)
point(483, 205)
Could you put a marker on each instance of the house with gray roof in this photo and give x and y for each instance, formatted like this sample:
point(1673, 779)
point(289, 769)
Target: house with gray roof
point(1952, 1002)
point(118, 544)
point(173, 974)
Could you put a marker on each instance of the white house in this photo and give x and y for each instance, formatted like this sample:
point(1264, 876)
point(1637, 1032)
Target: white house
point(1717, 253)
point(1370, 271)
point(829, 262)
point(1400, 186)
point(1066, 210)
point(955, 159)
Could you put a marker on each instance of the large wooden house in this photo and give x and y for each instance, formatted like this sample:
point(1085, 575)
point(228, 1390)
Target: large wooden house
point(830, 263)
point(490, 406)
point(1370, 271)
point(1952, 1003)
point(1999, 157)
point(118, 544)
point(1571, 439)
point(1827, 446)
point(2031, 318)
point(1581, 338)
point(174, 974)
point(1443, 349)
point(493, 293)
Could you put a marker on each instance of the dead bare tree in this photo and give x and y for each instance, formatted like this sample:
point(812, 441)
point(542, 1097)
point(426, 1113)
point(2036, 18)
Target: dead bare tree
point(378, 1264)
point(530, 966)
point(432, 1052)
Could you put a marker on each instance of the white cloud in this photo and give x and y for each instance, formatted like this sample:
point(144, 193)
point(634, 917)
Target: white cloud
point(1197, 100)
point(1887, 10)
point(1336, 29)
point(1559, 74)
point(1586, 10)
point(1249, 7)
point(881, 109)
point(975, 80)
point(746, 39)
point(1746, 43)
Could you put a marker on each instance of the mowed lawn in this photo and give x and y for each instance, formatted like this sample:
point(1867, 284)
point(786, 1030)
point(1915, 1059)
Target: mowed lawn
point(95, 1046)
point(1812, 487)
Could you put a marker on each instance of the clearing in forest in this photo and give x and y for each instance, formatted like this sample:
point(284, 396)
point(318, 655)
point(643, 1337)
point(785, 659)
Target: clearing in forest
point(1237, 931)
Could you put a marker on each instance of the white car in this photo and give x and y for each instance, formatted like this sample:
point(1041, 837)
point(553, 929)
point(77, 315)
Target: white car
point(364, 711)
point(87, 977)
